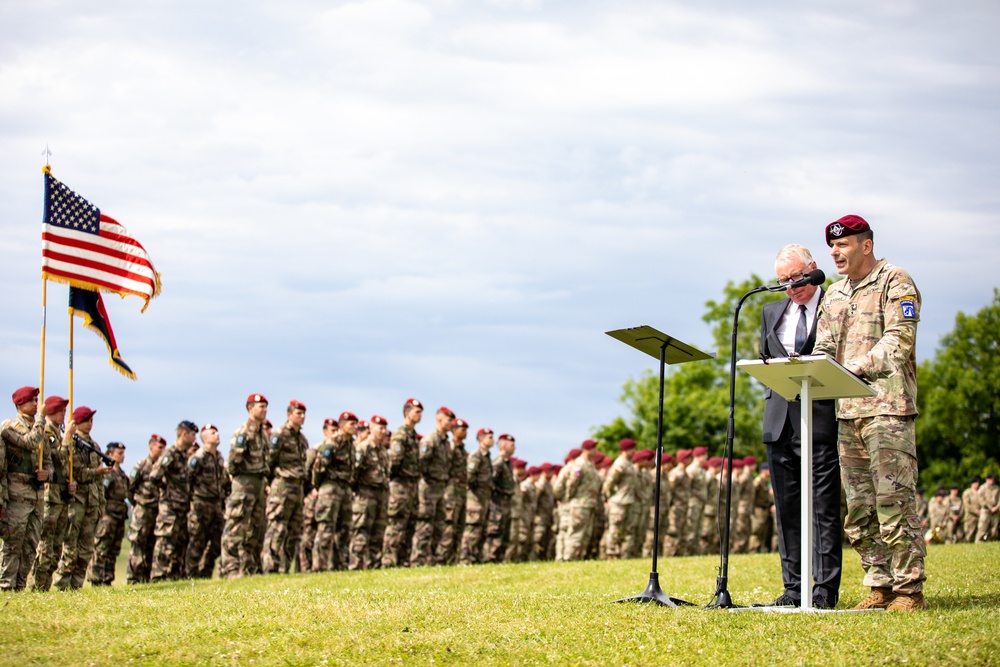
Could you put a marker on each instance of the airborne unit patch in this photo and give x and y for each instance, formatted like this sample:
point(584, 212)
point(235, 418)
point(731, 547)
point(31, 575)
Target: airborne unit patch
point(908, 308)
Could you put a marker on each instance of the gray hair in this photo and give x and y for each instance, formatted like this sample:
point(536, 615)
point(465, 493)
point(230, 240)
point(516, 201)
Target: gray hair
point(795, 251)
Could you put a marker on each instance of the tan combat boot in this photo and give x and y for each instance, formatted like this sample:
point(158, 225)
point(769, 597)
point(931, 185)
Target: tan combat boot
point(911, 602)
point(879, 598)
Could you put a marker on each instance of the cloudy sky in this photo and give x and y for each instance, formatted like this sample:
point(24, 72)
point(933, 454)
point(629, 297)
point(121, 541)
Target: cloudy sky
point(352, 203)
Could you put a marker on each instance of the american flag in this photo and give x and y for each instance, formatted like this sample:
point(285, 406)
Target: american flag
point(87, 249)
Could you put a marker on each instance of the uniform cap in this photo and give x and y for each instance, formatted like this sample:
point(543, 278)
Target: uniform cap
point(209, 427)
point(267, 423)
point(506, 436)
point(849, 225)
point(484, 431)
point(24, 394)
point(765, 466)
point(684, 455)
point(82, 414)
point(668, 458)
point(573, 453)
point(158, 438)
point(347, 417)
point(296, 405)
point(256, 398)
point(599, 458)
point(186, 425)
point(379, 420)
point(588, 444)
point(55, 404)
point(646, 454)
point(607, 463)
point(556, 468)
point(738, 464)
point(413, 403)
point(534, 470)
point(700, 451)
point(446, 411)
point(362, 425)
point(547, 467)
point(750, 461)
point(329, 421)
point(460, 423)
point(113, 445)
point(625, 444)
point(518, 463)
point(715, 462)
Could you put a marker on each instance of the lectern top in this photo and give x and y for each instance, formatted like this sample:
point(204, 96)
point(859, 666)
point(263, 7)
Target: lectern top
point(649, 340)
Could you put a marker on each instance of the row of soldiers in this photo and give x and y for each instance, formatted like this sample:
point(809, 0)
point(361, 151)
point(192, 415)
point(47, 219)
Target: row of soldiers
point(362, 498)
point(954, 515)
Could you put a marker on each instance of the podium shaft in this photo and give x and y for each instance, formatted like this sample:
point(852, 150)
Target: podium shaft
point(805, 488)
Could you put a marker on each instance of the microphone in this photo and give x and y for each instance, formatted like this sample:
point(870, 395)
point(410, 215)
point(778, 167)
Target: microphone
point(814, 277)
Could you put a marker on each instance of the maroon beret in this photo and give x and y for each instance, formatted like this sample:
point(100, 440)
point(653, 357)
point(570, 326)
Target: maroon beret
point(518, 463)
point(329, 421)
point(362, 425)
point(446, 411)
point(573, 453)
point(588, 444)
point(738, 463)
point(534, 470)
point(82, 414)
point(749, 460)
point(506, 436)
point(209, 427)
point(700, 451)
point(556, 468)
point(347, 417)
point(256, 398)
point(24, 394)
point(158, 438)
point(599, 458)
point(376, 419)
point(715, 462)
point(297, 405)
point(626, 444)
point(607, 463)
point(484, 431)
point(547, 467)
point(412, 403)
point(849, 225)
point(460, 423)
point(683, 455)
point(54, 404)
point(667, 458)
point(647, 454)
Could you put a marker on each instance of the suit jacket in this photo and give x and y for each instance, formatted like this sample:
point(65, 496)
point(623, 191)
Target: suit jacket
point(776, 409)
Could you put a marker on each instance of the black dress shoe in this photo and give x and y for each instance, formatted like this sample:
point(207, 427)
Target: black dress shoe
point(821, 601)
point(785, 600)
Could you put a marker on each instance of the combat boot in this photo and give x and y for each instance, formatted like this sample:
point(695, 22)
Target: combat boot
point(904, 602)
point(879, 598)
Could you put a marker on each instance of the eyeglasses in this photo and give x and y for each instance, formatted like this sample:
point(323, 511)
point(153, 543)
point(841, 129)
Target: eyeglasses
point(785, 280)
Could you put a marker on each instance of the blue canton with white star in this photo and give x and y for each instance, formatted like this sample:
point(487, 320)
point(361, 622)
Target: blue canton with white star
point(64, 208)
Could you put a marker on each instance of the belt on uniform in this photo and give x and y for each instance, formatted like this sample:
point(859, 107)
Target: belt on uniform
point(21, 477)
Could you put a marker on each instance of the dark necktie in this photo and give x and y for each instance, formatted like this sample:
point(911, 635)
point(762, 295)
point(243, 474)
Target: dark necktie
point(801, 333)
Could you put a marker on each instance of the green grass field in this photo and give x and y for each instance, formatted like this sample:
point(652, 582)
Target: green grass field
point(551, 613)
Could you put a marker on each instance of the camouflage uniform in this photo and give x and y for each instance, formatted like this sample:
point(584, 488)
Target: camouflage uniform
point(514, 529)
point(454, 505)
point(21, 526)
point(696, 507)
point(85, 509)
point(331, 474)
point(620, 487)
point(170, 474)
point(953, 532)
point(287, 462)
point(970, 518)
point(578, 489)
point(545, 509)
point(56, 519)
point(647, 547)
point(680, 492)
point(526, 533)
point(642, 517)
point(435, 463)
point(111, 529)
point(710, 517)
point(498, 519)
point(989, 496)
point(404, 473)
point(873, 324)
point(371, 504)
point(247, 466)
point(144, 496)
point(743, 504)
point(479, 472)
point(308, 515)
point(760, 530)
point(210, 487)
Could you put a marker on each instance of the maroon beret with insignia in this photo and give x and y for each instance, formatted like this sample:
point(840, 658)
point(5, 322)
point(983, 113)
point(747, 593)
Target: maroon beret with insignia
point(849, 225)
point(506, 436)
point(83, 414)
point(412, 403)
point(157, 438)
point(484, 431)
point(446, 411)
point(24, 394)
point(376, 419)
point(573, 453)
point(256, 398)
point(348, 417)
point(296, 405)
point(460, 423)
point(54, 404)
point(683, 455)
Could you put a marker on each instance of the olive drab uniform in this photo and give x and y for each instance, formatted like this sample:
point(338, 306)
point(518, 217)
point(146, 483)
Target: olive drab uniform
point(620, 487)
point(696, 507)
point(498, 519)
point(970, 518)
point(56, 519)
point(710, 517)
point(526, 534)
point(454, 505)
point(210, 487)
point(516, 507)
point(479, 479)
point(111, 529)
point(247, 466)
point(331, 474)
point(144, 496)
point(760, 529)
point(21, 527)
point(287, 462)
point(435, 464)
point(84, 514)
point(370, 505)
point(641, 510)
point(404, 473)
point(170, 474)
point(578, 489)
point(680, 493)
point(873, 324)
point(989, 496)
point(545, 507)
point(308, 515)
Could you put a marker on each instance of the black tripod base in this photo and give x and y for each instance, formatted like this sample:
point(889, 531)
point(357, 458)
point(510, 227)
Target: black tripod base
point(654, 594)
point(722, 599)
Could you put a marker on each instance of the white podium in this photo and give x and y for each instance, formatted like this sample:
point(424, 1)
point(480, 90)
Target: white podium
point(815, 377)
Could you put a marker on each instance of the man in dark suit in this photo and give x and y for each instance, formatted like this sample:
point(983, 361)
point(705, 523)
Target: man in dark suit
point(789, 327)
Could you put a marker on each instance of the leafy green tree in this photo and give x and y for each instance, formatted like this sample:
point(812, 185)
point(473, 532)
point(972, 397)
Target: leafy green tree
point(958, 431)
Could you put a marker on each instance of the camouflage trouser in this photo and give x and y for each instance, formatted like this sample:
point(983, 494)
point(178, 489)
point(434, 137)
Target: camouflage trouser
point(399, 529)
point(542, 539)
point(333, 527)
point(710, 533)
point(618, 537)
point(78, 549)
point(204, 524)
point(878, 462)
point(171, 542)
point(107, 545)
point(740, 541)
point(497, 529)
point(647, 547)
point(987, 528)
point(244, 520)
point(454, 525)
point(599, 524)
point(430, 522)
point(50, 548)
point(284, 525)
point(20, 530)
point(970, 523)
point(673, 543)
point(641, 521)
point(477, 506)
point(368, 521)
point(692, 528)
point(525, 538)
point(760, 530)
point(562, 522)
point(142, 540)
point(576, 528)
point(308, 532)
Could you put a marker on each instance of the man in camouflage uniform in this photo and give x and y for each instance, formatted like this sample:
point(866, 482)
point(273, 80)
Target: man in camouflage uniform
point(287, 463)
point(989, 496)
point(516, 506)
point(710, 517)
point(247, 466)
point(868, 323)
point(310, 494)
point(595, 549)
point(970, 508)
point(578, 489)
point(144, 497)
point(953, 528)
point(642, 516)
point(209, 484)
point(498, 519)
point(522, 548)
point(479, 480)
point(332, 474)
point(371, 497)
point(170, 474)
point(454, 496)
point(696, 501)
point(680, 494)
point(435, 463)
point(743, 505)
point(23, 482)
point(760, 528)
point(111, 529)
point(544, 514)
point(404, 476)
point(58, 492)
point(620, 488)
point(667, 462)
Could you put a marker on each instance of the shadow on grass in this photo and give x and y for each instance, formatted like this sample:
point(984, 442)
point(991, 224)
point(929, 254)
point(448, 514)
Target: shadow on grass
point(960, 602)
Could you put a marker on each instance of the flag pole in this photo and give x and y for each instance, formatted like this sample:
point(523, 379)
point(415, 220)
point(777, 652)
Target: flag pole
point(41, 379)
point(70, 408)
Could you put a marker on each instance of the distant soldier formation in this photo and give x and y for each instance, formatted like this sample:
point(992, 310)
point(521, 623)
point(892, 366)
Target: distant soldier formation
point(365, 497)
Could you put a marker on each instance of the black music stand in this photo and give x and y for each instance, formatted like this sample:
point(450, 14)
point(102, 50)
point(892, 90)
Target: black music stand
point(668, 350)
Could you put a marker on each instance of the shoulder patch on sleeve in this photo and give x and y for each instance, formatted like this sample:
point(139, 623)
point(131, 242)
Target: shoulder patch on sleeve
point(193, 462)
point(908, 308)
point(241, 441)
